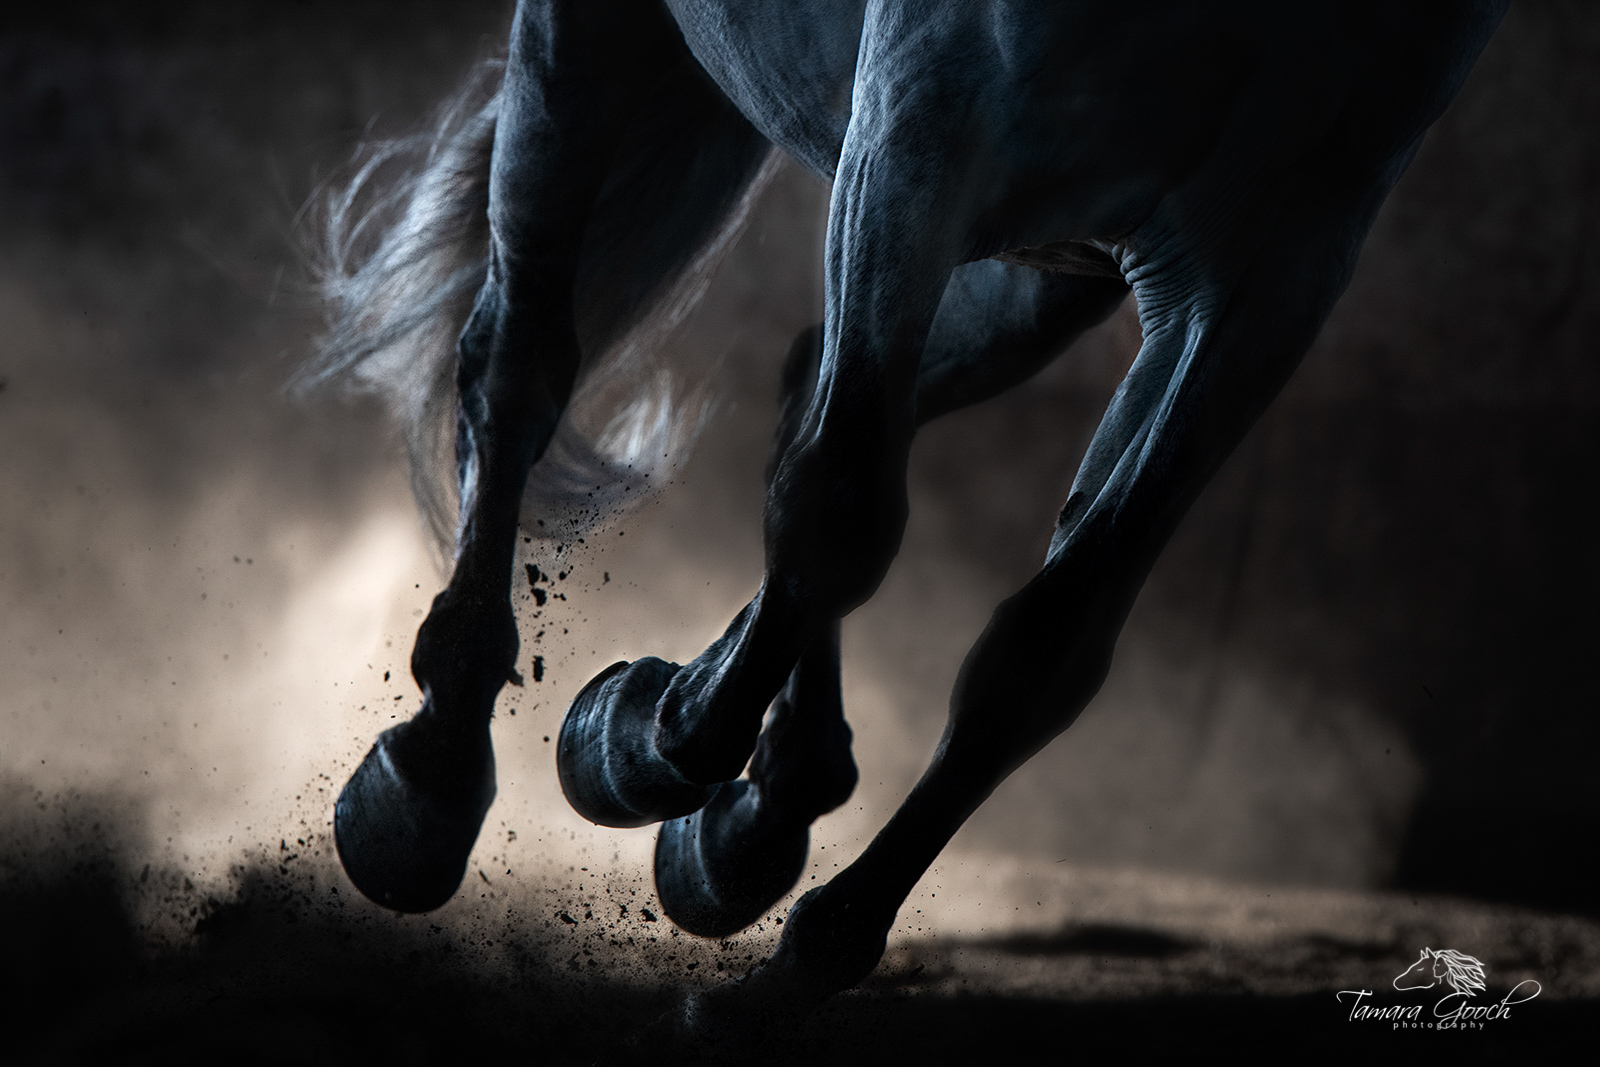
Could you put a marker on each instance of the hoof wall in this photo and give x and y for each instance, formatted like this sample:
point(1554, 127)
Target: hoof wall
point(405, 845)
point(606, 757)
point(718, 870)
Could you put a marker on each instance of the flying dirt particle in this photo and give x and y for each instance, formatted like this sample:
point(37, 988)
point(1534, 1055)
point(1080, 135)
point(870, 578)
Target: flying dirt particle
point(538, 668)
point(605, 577)
point(539, 597)
point(649, 916)
point(386, 676)
point(564, 917)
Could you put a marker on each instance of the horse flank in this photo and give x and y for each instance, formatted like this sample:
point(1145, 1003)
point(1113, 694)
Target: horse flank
point(398, 256)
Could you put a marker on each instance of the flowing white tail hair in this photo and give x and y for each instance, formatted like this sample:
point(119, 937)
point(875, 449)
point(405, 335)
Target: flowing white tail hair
point(401, 252)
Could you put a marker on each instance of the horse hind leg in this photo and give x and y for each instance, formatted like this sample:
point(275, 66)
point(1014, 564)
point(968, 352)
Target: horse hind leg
point(407, 819)
point(603, 749)
point(897, 230)
point(721, 868)
point(406, 822)
point(837, 505)
point(1205, 372)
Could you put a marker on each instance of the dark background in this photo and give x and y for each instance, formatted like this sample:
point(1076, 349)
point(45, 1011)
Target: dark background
point(1397, 565)
point(1364, 664)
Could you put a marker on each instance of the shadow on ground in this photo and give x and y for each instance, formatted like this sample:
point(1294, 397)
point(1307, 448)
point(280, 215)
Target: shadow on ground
point(117, 962)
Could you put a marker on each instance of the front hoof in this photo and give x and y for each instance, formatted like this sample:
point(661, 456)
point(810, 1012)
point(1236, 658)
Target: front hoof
point(719, 870)
point(831, 941)
point(606, 756)
point(404, 834)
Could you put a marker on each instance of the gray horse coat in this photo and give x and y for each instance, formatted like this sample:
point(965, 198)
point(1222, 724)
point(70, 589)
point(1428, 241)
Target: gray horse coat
point(1003, 173)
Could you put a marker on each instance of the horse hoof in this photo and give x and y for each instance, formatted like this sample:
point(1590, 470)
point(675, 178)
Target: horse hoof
point(832, 940)
point(717, 871)
point(606, 755)
point(404, 834)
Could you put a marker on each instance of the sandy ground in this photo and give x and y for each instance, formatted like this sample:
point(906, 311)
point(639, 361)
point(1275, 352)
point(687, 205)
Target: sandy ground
point(994, 959)
point(1365, 645)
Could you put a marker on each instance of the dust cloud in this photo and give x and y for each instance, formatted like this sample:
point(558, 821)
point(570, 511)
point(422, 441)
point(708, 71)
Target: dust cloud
point(208, 592)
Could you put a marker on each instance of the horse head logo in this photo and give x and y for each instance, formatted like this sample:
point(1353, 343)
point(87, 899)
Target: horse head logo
point(1460, 972)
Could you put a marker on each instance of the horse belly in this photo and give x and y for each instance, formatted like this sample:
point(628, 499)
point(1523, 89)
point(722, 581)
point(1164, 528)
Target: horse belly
point(1065, 257)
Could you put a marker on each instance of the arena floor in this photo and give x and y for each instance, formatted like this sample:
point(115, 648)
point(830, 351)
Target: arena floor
point(994, 961)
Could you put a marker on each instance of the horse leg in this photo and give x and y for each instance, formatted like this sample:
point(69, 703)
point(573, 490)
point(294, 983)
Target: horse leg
point(406, 821)
point(638, 736)
point(1213, 357)
point(720, 869)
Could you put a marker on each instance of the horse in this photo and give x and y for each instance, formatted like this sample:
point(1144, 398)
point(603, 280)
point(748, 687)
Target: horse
point(1003, 173)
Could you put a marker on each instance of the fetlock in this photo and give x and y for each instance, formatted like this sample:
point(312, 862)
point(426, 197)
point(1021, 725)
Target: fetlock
point(804, 769)
point(465, 652)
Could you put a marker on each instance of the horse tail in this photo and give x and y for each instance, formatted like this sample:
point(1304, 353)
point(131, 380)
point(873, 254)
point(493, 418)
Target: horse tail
point(404, 249)
point(401, 252)
point(640, 402)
